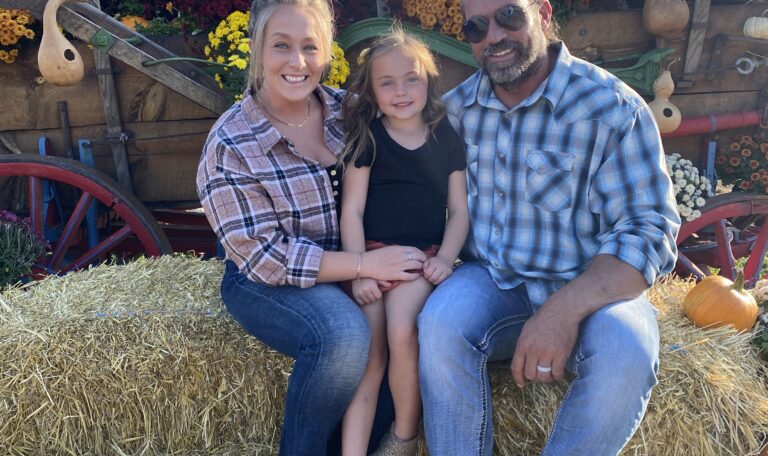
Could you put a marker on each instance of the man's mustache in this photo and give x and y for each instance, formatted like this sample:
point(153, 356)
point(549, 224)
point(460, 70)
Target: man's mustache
point(501, 46)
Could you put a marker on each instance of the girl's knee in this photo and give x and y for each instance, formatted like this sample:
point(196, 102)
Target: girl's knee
point(403, 340)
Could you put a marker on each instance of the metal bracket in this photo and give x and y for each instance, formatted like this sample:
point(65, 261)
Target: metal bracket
point(103, 40)
point(124, 137)
point(642, 74)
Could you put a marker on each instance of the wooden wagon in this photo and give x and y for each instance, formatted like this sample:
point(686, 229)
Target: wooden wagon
point(139, 118)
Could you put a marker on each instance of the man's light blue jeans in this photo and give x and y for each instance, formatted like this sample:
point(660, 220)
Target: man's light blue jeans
point(468, 321)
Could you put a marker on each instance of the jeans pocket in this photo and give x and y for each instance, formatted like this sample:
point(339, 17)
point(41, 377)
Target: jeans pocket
point(548, 180)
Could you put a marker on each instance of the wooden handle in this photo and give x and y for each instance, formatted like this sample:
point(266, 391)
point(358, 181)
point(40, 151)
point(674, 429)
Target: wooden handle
point(59, 61)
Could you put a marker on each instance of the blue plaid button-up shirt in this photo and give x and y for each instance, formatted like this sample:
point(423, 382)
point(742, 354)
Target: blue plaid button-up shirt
point(574, 170)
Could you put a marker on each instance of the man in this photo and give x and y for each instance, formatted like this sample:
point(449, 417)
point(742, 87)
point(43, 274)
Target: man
point(573, 217)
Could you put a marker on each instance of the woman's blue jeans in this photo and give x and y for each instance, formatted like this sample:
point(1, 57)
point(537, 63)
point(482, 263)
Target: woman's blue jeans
point(327, 334)
point(468, 321)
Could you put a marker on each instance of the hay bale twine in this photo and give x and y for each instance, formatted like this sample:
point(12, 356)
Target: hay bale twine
point(144, 359)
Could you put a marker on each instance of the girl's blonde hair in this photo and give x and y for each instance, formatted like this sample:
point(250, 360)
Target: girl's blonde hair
point(360, 106)
point(261, 13)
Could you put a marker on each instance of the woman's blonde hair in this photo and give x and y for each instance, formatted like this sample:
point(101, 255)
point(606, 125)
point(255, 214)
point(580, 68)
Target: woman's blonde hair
point(360, 106)
point(261, 13)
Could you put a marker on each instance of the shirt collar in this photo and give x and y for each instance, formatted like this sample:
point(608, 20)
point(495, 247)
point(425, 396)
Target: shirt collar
point(552, 89)
point(267, 135)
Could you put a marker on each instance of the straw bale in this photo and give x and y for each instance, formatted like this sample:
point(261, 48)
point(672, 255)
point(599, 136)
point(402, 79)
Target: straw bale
point(143, 359)
point(134, 359)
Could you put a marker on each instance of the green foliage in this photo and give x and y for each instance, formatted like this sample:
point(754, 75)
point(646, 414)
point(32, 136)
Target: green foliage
point(19, 248)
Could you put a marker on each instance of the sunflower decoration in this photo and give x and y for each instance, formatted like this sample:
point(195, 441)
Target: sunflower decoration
point(15, 30)
point(442, 15)
point(228, 46)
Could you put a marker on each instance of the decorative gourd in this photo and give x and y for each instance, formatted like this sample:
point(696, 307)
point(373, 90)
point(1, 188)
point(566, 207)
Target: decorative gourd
point(716, 301)
point(59, 61)
point(757, 27)
point(667, 115)
point(132, 21)
point(665, 18)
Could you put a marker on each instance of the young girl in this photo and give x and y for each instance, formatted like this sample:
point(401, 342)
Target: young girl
point(404, 167)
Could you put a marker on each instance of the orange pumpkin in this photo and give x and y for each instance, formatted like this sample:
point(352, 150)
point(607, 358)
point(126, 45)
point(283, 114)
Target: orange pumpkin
point(132, 21)
point(716, 301)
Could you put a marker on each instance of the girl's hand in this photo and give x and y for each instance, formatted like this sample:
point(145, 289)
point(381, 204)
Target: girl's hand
point(437, 269)
point(366, 291)
point(393, 263)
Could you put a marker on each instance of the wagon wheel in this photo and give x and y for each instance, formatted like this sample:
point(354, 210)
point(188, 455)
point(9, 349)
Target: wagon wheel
point(87, 185)
point(731, 226)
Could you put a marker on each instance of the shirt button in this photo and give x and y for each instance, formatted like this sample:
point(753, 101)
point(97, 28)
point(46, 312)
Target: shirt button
point(335, 183)
point(335, 193)
point(501, 194)
point(501, 156)
point(497, 232)
point(333, 172)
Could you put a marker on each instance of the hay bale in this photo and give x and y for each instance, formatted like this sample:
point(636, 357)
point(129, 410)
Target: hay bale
point(134, 359)
point(712, 396)
point(143, 359)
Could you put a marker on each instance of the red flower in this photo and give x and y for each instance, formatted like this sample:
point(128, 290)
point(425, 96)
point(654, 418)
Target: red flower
point(735, 146)
point(764, 179)
point(720, 159)
point(754, 164)
point(745, 185)
point(746, 153)
point(735, 161)
point(755, 176)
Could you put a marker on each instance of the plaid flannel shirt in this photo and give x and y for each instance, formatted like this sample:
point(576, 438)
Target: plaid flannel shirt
point(272, 209)
point(574, 170)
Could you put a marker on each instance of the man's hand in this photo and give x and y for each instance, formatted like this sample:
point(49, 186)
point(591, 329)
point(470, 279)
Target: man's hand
point(544, 346)
point(366, 291)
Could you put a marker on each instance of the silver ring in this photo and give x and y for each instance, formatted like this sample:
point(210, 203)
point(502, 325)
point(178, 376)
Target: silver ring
point(542, 369)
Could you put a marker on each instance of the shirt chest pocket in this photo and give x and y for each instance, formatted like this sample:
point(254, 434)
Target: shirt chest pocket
point(548, 180)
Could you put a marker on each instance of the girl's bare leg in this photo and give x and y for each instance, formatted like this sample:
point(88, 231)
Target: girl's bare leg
point(402, 306)
point(358, 419)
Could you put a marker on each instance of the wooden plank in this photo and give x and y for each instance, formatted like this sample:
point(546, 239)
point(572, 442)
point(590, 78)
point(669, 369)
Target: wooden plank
point(84, 29)
point(701, 104)
point(696, 38)
point(163, 159)
point(34, 100)
point(112, 114)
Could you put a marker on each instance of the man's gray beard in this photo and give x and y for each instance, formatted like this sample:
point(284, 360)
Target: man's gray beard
point(510, 75)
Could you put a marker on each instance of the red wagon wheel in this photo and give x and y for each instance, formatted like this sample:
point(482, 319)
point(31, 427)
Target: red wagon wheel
point(87, 185)
point(731, 226)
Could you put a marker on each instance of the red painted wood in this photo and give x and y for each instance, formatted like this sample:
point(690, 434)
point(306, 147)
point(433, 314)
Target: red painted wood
point(92, 184)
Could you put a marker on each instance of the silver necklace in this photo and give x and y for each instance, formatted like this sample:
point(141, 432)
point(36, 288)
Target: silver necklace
point(290, 124)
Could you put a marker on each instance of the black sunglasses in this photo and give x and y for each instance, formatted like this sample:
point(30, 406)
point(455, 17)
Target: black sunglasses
point(510, 17)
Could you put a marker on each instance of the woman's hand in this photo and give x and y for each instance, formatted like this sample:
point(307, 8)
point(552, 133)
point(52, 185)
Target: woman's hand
point(365, 291)
point(393, 263)
point(437, 269)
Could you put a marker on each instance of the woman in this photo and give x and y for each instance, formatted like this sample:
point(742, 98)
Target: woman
point(269, 186)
